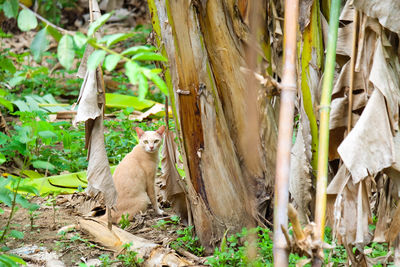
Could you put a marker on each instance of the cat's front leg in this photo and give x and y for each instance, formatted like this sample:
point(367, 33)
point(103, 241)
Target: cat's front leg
point(153, 199)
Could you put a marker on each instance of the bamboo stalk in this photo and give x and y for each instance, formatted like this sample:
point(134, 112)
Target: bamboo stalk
point(327, 84)
point(352, 74)
point(286, 115)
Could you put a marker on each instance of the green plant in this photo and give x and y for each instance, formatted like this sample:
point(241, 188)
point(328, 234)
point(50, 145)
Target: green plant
point(129, 258)
point(174, 220)
point(188, 241)
point(124, 222)
point(105, 260)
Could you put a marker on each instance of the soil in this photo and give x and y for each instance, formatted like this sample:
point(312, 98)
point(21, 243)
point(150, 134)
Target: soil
point(42, 244)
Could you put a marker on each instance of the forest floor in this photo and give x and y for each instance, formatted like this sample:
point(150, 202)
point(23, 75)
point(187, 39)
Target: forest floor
point(52, 235)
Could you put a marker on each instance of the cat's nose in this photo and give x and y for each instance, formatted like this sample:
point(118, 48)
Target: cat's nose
point(151, 147)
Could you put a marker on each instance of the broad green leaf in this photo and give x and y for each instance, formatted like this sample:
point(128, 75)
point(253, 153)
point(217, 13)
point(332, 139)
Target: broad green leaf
point(16, 80)
point(65, 183)
point(111, 61)
point(27, 20)
point(2, 158)
point(5, 196)
point(53, 32)
point(124, 101)
point(31, 174)
point(148, 56)
point(132, 70)
point(39, 164)
point(95, 59)
point(80, 39)
point(4, 102)
point(143, 86)
point(7, 64)
point(17, 234)
point(65, 51)
point(10, 8)
point(47, 134)
point(39, 44)
point(98, 23)
point(11, 260)
point(28, 189)
point(138, 49)
point(1, 211)
point(157, 81)
point(115, 38)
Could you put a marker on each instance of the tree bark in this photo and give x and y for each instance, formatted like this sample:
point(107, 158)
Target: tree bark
point(225, 157)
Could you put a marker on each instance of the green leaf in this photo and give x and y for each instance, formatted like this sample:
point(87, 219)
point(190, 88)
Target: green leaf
point(80, 39)
point(5, 196)
point(98, 23)
point(95, 59)
point(28, 189)
point(2, 158)
point(27, 20)
point(132, 70)
point(10, 8)
point(4, 102)
point(39, 44)
point(124, 101)
point(157, 81)
point(138, 49)
point(17, 234)
point(47, 134)
point(39, 164)
point(111, 61)
point(150, 56)
point(31, 174)
point(16, 80)
point(53, 32)
point(22, 106)
point(7, 64)
point(65, 51)
point(11, 260)
point(115, 38)
point(143, 86)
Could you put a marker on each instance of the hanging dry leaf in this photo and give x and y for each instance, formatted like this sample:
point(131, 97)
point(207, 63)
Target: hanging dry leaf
point(367, 150)
point(98, 172)
point(174, 186)
point(90, 110)
point(386, 11)
point(300, 178)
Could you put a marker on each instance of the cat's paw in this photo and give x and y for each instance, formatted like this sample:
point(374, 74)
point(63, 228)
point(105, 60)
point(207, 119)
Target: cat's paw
point(159, 211)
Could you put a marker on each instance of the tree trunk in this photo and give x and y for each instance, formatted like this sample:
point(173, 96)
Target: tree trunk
point(227, 138)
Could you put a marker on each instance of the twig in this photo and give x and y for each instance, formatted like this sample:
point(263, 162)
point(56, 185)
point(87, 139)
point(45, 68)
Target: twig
point(352, 72)
point(190, 256)
point(48, 22)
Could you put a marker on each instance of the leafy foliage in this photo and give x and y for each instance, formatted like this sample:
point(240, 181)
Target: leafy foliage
point(188, 241)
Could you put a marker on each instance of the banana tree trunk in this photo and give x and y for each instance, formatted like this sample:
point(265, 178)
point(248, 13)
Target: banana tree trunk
point(223, 147)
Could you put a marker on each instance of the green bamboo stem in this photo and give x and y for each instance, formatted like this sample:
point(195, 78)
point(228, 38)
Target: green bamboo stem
point(286, 115)
point(327, 84)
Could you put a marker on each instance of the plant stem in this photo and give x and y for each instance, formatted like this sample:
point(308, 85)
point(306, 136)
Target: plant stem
point(286, 115)
point(48, 22)
point(13, 204)
point(322, 175)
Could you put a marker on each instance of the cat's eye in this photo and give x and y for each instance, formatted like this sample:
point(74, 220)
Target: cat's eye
point(156, 141)
point(145, 141)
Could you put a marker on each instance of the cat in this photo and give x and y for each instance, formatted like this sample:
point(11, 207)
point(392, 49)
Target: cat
point(134, 177)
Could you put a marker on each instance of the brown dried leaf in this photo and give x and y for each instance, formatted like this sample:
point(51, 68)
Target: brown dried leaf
point(98, 172)
point(174, 186)
point(300, 178)
point(369, 147)
point(386, 11)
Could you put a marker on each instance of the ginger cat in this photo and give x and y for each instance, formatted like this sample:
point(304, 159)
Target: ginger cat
point(134, 177)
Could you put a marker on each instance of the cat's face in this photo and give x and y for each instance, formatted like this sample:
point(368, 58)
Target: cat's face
point(150, 140)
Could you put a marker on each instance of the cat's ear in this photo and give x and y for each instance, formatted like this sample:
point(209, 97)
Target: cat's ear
point(139, 131)
point(161, 130)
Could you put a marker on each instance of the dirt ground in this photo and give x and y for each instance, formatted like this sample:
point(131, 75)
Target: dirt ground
point(43, 245)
